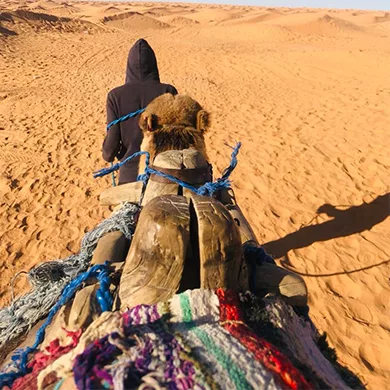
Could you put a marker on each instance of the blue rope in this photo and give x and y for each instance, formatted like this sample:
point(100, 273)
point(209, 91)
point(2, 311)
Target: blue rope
point(105, 171)
point(115, 122)
point(20, 357)
point(125, 117)
point(207, 189)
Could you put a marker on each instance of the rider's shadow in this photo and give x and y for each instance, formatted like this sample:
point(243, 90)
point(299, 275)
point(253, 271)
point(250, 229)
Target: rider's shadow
point(355, 219)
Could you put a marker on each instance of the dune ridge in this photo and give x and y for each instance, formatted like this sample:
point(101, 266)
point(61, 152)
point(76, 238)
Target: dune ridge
point(133, 20)
point(22, 20)
point(111, 10)
point(328, 25)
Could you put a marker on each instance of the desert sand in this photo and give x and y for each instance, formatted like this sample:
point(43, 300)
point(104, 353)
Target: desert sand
point(306, 91)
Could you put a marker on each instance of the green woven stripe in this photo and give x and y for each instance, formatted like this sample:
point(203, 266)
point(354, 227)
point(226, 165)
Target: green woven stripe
point(235, 373)
point(185, 307)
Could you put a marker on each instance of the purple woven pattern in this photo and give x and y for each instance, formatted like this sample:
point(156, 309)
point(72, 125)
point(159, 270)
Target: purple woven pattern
point(141, 315)
point(88, 368)
point(146, 353)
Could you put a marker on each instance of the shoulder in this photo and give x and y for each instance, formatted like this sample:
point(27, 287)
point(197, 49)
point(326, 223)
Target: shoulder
point(125, 93)
point(118, 90)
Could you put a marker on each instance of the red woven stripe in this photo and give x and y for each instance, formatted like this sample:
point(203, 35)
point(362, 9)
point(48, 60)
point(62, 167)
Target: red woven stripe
point(262, 350)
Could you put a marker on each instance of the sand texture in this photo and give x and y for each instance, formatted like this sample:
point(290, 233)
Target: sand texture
point(306, 91)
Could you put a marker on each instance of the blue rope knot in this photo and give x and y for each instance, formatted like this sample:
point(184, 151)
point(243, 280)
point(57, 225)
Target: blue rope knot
point(20, 357)
point(207, 189)
point(103, 294)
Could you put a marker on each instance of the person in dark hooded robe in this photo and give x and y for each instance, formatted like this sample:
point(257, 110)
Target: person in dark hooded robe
point(142, 85)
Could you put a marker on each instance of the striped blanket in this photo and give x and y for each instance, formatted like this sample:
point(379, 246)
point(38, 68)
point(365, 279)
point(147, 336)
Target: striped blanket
point(199, 339)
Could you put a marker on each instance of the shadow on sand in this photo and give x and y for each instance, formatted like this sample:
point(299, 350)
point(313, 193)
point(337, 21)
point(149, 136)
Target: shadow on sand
point(355, 219)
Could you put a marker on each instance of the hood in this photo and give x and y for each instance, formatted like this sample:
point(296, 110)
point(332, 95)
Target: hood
point(141, 63)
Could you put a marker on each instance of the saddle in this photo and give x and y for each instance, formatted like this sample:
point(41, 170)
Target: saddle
point(182, 240)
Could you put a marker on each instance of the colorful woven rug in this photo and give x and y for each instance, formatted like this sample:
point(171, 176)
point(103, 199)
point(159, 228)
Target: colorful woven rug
point(199, 339)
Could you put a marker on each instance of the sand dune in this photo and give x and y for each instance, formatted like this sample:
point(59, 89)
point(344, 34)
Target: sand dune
point(306, 91)
point(252, 18)
point(69, 7)
point(66, 10)
point(111, 10)
point(178, 20)
point(262, 17)
point(97, 4)
point(327, 25)
point(216, 15)
point(133, 21)
point(165, 11)
point(359, 18)
point(37, 8)
point(48, 4)
point(21, 21)
point(384, 18)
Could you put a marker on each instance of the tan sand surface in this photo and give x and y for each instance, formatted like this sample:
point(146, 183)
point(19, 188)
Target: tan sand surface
point(306, 91)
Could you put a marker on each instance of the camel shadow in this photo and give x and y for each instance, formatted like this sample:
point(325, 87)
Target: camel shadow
point(355, 219)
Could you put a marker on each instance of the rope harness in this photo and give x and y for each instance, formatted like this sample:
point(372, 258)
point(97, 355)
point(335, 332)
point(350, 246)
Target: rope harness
point(207, 189)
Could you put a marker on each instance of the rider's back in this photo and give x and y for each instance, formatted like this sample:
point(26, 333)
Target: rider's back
point(141, 87)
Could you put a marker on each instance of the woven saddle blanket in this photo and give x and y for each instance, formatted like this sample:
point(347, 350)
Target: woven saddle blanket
point(199, 339)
